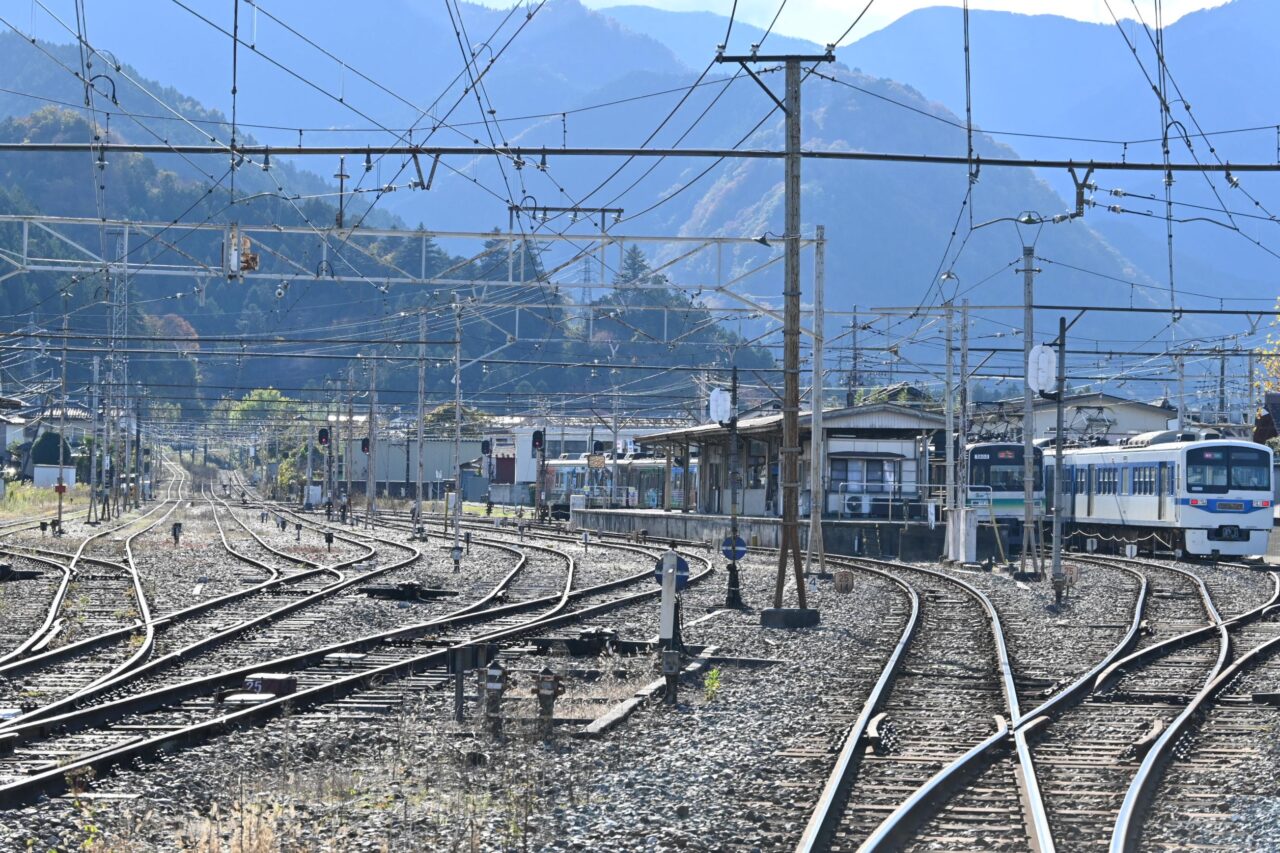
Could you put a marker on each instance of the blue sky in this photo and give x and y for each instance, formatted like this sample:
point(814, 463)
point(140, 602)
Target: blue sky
point(813, 19)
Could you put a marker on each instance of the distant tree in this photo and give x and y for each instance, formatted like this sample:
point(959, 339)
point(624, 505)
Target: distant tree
point(45, 450)
point(262, 404)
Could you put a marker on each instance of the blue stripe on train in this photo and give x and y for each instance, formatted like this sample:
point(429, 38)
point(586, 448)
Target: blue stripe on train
point(1234, 505)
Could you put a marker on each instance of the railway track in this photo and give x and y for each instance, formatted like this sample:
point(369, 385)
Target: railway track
point(1023, 785)
point(97, 626)
point(126, 728)
point(949, 693)
point(1218, 792)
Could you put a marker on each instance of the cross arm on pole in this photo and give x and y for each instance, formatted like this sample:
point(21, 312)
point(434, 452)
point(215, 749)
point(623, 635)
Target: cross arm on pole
point(761, 84)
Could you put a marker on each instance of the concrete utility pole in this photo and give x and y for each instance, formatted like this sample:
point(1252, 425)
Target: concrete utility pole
point(137, 448)
point(457, 430)
point(1222, 388)
point(855, 361)
point(613, 479)
point(125, 464)
point(350, 436)
point(817, 437)
point(1057, 460)
point(1028, 469)
point(62, 418)
point(371, 475)
point(961, 508)
point(789, 546)
point(306, 487)
point(1178, 404)
point(422, 393)
point(94, 449)
point(331, 424)
point(949, 415)
point(733, 595)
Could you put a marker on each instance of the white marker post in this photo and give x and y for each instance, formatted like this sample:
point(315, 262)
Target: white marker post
point(667, 622)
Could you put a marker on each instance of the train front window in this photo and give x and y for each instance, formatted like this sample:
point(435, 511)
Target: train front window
point(1000, 469)
point(1250, 470)
point(1207, 469)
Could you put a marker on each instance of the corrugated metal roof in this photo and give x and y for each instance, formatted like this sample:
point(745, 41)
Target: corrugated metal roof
point(878, 416)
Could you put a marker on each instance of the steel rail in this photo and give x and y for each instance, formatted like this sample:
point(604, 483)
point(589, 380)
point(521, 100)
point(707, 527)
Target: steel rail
point(1124, 838)
point(1151, 770)
point(1165, 646)
point(45, 632)
point(1043, 839)
point(42, 635)
point(911, 811)
point(54, 780)
point(144, 610)
point(826, 813)
point(124, 676)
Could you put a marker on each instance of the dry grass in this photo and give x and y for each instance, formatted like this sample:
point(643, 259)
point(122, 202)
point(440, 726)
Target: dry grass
point(23, 500)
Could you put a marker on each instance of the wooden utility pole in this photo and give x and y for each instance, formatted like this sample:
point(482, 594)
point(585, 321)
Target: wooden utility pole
point(789, 546)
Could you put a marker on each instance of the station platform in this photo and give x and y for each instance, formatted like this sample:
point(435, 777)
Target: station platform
point(907, 540)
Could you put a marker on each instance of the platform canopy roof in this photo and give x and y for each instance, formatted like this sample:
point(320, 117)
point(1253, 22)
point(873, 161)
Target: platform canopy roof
point(870, 417)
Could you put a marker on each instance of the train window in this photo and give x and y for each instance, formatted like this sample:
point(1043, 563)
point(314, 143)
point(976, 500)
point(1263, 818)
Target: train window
point(1000, 468)
point(1250, 470)
point(1207, 469)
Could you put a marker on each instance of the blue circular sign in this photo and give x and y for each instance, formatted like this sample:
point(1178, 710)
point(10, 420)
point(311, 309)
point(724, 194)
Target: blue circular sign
point(734, 548)
point(682, 572)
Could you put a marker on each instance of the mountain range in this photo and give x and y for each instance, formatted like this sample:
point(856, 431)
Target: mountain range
point(565, 75)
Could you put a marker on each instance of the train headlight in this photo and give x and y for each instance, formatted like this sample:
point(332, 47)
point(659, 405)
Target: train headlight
point(1198, 502)
point(1263, 504)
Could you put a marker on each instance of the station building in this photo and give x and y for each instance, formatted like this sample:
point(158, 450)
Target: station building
point(879, 473)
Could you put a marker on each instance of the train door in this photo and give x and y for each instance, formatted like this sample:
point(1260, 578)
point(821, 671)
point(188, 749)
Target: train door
point(1089, 489)
point(1162, 489)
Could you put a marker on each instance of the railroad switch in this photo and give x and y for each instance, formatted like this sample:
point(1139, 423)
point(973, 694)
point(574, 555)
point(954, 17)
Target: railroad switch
point(547, 688)
point(44, 528)
point(1140, 747)
point(298, 531)
point(176, 531)
point(328, 539)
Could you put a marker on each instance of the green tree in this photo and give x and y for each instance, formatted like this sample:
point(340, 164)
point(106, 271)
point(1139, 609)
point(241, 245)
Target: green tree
point(261, 405)
point(45, 450)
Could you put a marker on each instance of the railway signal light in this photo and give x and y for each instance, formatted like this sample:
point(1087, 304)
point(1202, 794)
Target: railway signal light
point(537, 439)
point(364, 444)
point(598, 447)
point(485, 447)
point(323, 437)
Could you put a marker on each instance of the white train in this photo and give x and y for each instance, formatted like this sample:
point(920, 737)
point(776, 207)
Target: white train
point(996, 488)
point(1169, 491)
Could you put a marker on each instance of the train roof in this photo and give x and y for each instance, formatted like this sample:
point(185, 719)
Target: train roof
point(1158, 447)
